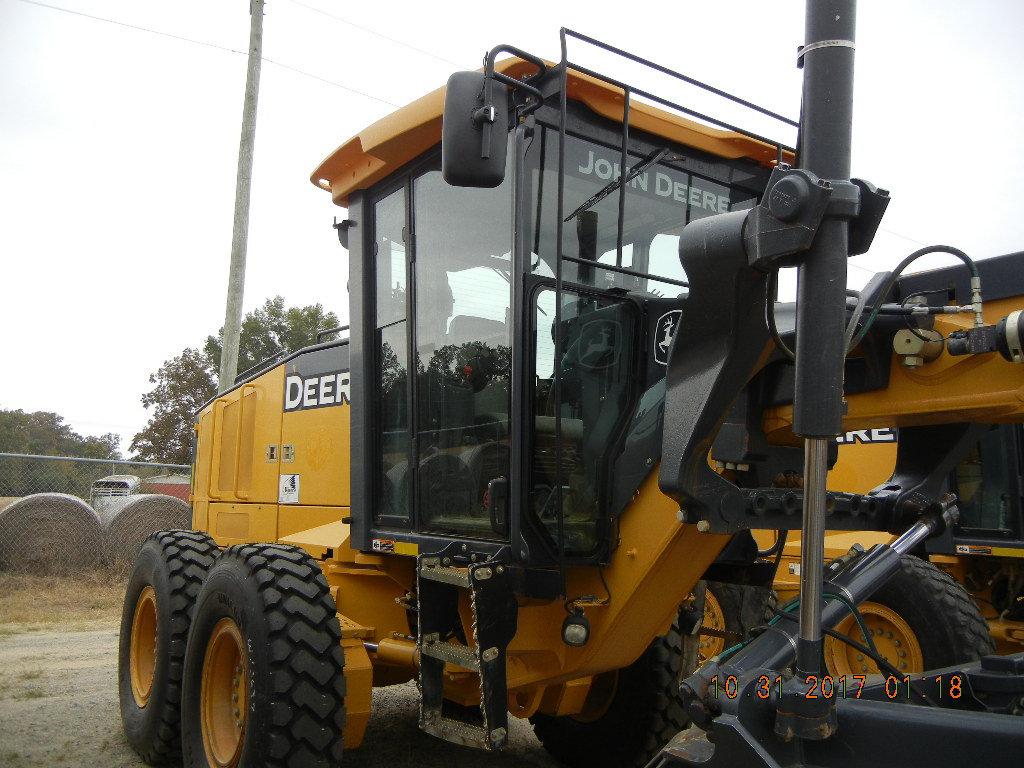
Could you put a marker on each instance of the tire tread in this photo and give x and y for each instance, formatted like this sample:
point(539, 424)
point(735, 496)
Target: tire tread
point(306, 716)
point(189, 555)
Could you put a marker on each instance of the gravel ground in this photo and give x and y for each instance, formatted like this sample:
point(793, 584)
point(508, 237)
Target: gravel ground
point(58, 707)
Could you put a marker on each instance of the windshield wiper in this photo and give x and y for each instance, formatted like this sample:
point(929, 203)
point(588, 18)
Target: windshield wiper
point(611, 186)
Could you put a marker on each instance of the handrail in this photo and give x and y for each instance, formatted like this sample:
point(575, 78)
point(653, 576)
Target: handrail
point(218, 405)
point(320, 335)
point(238, 437)
point(680, 76)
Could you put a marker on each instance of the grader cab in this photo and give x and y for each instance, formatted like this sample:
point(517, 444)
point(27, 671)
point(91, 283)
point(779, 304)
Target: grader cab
point(465, 491)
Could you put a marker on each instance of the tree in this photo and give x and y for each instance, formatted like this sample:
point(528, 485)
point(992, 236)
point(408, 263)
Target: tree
point(272, 329)
point(46, 433)
point(188, 380)
point(183, 384)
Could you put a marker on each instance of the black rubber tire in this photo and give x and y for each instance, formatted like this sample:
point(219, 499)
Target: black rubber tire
point(742, 608)
point(280, 601)
point(946, 620)
point(645, 712)
point(174, 563)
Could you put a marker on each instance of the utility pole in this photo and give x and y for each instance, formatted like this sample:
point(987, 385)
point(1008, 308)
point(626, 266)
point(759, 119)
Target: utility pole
point(243, 182)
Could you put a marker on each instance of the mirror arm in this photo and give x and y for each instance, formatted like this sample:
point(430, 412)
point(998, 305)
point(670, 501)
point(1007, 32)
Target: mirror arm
point(542, 68)
point(484, 117)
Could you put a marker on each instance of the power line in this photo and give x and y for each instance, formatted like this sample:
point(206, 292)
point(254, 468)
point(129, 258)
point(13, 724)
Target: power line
point(330, 82)
point(903, 237)
point(131, 26)
point(375, 33)
point(207, 44)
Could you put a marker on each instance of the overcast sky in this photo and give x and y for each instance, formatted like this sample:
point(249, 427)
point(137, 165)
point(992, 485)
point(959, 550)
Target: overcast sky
point(118, 149)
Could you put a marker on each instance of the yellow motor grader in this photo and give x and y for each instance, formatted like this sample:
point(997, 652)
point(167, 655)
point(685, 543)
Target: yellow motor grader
point(499, 485)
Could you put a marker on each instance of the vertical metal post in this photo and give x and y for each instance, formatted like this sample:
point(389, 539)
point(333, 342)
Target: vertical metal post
point(243, 182)
point(623, 159)
point(821, 289)
point(557, 375)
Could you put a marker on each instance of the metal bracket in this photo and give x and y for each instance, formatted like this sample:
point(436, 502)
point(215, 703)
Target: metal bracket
point(342, 228)
point(795, 203)
point(784, 224)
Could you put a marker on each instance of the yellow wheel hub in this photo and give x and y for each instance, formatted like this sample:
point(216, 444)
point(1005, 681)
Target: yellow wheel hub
point(142, 651)
point(714, 620)
point(893, 637)
point(223, 695)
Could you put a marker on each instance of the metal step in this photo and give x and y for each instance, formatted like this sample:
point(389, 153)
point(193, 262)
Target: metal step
point(432, 570)
point(459, 655)
point(441, 589)
point(466, 734)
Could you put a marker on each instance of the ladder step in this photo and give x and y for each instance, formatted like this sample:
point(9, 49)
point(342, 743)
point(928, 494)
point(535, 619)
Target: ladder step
point(466, 734)
point(459, 655)
point(432, 570)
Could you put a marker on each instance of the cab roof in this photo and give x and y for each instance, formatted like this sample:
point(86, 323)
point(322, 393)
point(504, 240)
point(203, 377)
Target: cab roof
point(387, 145)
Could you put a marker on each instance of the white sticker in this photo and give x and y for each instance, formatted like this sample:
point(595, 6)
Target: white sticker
point(794, 569)
point(288, 490)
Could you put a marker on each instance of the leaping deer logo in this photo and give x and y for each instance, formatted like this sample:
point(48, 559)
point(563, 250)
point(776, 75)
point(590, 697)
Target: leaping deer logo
point(664, 333)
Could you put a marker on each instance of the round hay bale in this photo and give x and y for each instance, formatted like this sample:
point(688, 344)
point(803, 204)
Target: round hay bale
point(49, 533)
point(141, 516)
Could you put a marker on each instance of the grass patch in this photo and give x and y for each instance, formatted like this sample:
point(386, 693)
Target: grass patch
point(28, 694)
point(32, 674)
point(85, 601)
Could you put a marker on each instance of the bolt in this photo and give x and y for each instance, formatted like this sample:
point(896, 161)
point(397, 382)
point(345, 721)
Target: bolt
point(465, 547)
point(681, 515)
point(896, 643)
point(500, 569)
point(902, 654)
point(648, 461)
point(490, 654)
point(863, 668)
point(889, 635)
point(703, 526)
point(482, 574)
point(497, 735)
point(860, 657)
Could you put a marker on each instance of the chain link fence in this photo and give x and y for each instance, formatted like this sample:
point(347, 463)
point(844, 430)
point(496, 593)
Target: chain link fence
point(61, 514)
point(22, 474)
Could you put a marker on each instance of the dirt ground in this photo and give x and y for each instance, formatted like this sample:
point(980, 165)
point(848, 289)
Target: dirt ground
point(58, 692)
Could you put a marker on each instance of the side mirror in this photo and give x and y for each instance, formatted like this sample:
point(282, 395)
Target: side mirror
point(474, 131)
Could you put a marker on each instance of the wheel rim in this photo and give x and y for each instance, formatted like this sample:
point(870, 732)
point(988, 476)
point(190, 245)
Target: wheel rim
point(893, 637)
point(714, 619)
point(223, 696)
point(142, 651)
point(599, 697)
